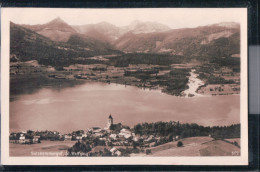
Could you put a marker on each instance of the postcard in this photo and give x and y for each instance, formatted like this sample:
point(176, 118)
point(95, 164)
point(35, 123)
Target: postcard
point(125, 86)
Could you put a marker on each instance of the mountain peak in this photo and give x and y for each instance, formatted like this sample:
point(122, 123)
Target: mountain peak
point(57, 20)
point(147, 27)
point(56, 30)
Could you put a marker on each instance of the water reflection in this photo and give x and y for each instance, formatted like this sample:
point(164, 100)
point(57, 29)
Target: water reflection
point(31, 85)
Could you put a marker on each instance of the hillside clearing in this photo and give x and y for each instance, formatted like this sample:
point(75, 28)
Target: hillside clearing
point(219, 148)
point(195, 146)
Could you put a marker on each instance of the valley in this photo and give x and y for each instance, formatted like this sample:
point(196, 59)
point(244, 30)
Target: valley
point(204, 60)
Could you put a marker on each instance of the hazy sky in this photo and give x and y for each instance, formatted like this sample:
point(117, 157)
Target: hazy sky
point(173, 17)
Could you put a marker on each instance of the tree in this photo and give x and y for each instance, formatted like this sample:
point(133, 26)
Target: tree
point(27, 136)
point(148, 151)
point(30, 132)
point(73, 138)
point(81, 147)
point(179, 144)
point(185, 133)
point(135, 150)
point(138, 129)
point(135, 144)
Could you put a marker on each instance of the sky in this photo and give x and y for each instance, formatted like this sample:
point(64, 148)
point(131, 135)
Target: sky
point(172, 17)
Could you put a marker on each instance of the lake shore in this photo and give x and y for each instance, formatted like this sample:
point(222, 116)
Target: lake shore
point(45, 76)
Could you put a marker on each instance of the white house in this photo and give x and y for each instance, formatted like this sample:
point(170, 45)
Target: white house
point(36, 139)
point(22, 137)
point(84, 135)
point(125, 133)
point(97, 130)
point(150, 138)
point(115, 151)
point(94, 129)
point(113, 136)
point(79, 137)
point(136, 138)
point(103, 139)
point(100, 134)
point(67, 137)
point(118, 153)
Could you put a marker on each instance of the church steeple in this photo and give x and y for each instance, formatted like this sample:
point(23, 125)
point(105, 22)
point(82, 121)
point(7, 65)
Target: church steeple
point(110, 121)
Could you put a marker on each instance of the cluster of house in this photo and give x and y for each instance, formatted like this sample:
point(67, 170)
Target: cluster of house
point(113, 135)
point(116, 136)
point(23, 138)
point(120, 138)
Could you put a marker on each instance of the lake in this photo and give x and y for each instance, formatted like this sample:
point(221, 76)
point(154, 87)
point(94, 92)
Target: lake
point(90, 104)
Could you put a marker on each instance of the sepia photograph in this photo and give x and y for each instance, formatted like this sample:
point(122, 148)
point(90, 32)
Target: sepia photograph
point(155, 86)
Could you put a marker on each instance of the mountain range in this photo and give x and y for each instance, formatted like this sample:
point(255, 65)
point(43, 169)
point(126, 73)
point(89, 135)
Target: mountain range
point(218, 40)
point(26, 44)
point(58, 30)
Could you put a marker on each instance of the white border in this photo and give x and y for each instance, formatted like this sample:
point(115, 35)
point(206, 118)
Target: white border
point(226, 160)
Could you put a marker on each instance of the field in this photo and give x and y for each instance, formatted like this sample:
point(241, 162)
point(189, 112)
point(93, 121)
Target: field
point(220, 89)
point(46, 148)
point(219, 148)
point(195, 146)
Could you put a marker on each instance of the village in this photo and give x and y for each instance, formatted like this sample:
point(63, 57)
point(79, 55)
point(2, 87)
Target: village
point(146, 139)
point(114, 137)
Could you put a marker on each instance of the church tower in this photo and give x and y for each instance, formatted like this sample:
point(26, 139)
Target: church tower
point(110, 121)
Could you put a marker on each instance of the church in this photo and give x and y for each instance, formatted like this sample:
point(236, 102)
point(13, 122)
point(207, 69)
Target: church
point(111, 126)
point(110, 121)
